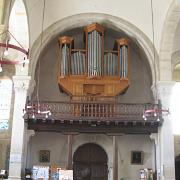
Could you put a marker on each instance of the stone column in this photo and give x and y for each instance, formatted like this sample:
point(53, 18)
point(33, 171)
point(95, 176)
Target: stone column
point(27, 136)
point(167, 165)
point(157, 153)
point(115, 158)
point(21, 84)
point(69, 152)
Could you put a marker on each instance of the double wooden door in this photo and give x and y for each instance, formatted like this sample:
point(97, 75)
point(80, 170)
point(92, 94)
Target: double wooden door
point(90, 163)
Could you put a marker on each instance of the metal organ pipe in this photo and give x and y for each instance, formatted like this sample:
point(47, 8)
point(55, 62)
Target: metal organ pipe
point(78, 63)
point(94, 53)
point(124, 61)
point(100, 52)
point(110, 64)
point(64, 60)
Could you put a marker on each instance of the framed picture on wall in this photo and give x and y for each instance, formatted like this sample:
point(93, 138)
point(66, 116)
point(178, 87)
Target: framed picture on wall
point(44, 156)
point(137, 157)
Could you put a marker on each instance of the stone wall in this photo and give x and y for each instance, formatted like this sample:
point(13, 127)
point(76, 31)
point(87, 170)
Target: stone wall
point(57, 144)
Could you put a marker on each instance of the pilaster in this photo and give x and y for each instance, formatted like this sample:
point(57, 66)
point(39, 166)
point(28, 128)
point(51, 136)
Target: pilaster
point(27, 136)
point(166, 139)
point(157, 153)
point(21, 84)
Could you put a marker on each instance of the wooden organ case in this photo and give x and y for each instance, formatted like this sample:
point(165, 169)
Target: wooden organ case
point(93, 74)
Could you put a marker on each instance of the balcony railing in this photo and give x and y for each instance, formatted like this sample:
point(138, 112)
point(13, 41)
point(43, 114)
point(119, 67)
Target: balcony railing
point(96, 111)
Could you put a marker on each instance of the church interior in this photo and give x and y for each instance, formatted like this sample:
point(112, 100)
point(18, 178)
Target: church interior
point(89, 90)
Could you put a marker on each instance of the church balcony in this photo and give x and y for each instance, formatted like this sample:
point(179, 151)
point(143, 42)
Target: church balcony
point(93, 117)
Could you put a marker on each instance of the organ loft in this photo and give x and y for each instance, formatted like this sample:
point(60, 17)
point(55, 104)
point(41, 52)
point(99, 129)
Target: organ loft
point(93, 73)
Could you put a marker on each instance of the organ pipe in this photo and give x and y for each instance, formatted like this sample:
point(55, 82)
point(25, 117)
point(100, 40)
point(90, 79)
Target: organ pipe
point(95, 36)
point(123, 57)
point(110, 64)
point(94, 53)
point(65, 43)
point(124, 61)
point(93, 60)
point(78, 63)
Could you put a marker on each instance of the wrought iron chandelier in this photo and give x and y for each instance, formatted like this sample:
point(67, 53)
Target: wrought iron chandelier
point(5, 46)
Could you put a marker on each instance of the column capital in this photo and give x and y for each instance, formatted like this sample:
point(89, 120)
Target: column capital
point(21, 82)
point(163, 88)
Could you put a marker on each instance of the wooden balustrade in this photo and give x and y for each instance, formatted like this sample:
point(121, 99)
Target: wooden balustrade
point(88, 110)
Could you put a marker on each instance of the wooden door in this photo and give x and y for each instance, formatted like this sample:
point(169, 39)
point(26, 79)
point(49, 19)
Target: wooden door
point(90, 163)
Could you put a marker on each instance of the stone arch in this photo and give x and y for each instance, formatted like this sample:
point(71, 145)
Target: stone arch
point(83, 19)
point(90, 160)
point(91, 144)
point(167, 41)
point(17, 20)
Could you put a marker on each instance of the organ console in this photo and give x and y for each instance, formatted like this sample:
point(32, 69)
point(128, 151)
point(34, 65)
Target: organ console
point(93, 71)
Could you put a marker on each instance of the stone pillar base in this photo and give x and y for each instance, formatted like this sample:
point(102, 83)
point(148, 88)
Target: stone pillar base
point(13, 177)
point(169, 173)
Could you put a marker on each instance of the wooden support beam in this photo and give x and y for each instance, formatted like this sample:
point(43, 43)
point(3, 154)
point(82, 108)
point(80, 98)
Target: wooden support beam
point(69, 157)
point(87, 128)
point(115, 158)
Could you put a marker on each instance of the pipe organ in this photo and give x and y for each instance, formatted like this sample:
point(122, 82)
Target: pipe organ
point(93, 71)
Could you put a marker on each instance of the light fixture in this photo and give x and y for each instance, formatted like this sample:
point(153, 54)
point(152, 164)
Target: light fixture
point(156, 112)
point(36, 110)
point(1, 68)
point(8, 46)
point(41, 111)
point(6, 53)
point(33, 116)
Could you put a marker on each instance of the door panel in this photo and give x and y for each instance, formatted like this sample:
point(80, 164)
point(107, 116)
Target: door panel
point(90, 163)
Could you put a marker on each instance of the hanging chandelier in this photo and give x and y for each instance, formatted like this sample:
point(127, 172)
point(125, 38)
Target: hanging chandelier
point(156, 112)
point(5, 46)
point(37, 109)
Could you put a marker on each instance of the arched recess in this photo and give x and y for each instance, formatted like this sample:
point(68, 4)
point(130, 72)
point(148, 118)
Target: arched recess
point(18, 27)
point(167, 41)
point(82, 20)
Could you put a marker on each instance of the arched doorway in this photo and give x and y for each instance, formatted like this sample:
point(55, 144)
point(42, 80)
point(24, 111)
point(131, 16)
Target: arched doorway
point(90, 163)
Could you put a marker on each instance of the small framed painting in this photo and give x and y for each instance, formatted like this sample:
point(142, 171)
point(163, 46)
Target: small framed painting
point(44, 156)
point(137, 157)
